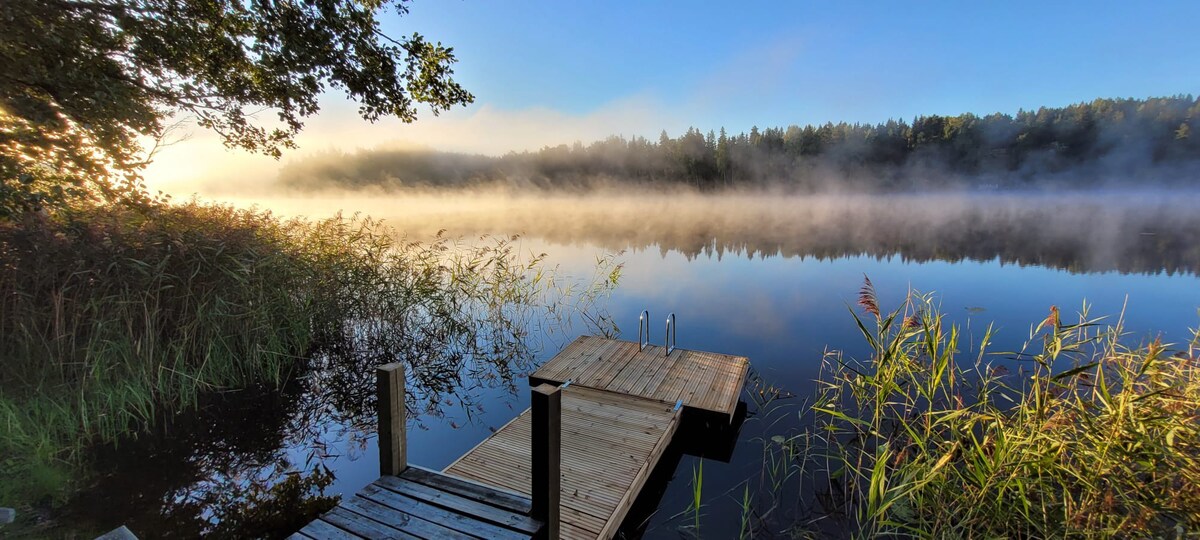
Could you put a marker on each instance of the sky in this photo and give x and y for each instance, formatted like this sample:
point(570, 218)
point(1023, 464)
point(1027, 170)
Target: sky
point(548, 73)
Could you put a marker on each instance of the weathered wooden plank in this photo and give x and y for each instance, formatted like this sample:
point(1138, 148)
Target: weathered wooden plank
point(596, 475)
point(576, 366)
point(647, 467)
point(413, 525)
point(482, 473)
point(648, 384)
point(599, 365)
point(587, 482)
point(363, 526)
point(510, 501)
point(700, 372)
point(459, 504)
point(703, 380)
point(671, 385)
point(612, 416)
point(584, 503)
point(726, 387)
point(571, 531)
point(468, 525)
point(583, 493)
point(605, 357)
point(604, 396)
point(604, 376)
point(609, 442)
point(587, 442)
point(647, 365)
point(737, 385)
point(568, 359)
point(498, 432)
point(323, 530)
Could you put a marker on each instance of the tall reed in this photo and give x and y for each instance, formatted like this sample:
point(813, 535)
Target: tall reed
point(1084, 436)
point(114, 316)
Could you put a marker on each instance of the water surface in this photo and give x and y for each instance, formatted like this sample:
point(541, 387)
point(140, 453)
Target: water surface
point(765, 277)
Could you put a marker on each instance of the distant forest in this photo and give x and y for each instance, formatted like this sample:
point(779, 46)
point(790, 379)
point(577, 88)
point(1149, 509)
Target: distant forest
point(1082, 145)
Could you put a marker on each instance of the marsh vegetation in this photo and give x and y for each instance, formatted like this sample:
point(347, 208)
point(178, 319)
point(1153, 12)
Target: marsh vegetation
point(117, 319)
point(1082, 434)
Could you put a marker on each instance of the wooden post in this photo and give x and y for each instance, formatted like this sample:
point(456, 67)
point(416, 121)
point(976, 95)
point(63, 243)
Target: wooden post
point(546, 405)
point(393, 448)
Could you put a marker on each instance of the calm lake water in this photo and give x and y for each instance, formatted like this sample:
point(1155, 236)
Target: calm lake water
point(771, 278)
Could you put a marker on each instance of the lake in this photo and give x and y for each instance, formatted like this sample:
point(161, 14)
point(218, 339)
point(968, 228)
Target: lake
point(771, 277)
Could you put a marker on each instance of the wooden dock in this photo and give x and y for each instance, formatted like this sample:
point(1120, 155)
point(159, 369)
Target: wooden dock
point(420, 503)
point(702, 380)
point(602, 414)
point(610, 444)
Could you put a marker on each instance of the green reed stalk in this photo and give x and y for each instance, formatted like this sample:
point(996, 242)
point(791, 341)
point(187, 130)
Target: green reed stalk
point(112, 317)
point(1097, 438)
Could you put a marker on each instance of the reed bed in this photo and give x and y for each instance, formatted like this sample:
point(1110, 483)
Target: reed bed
point(1079, 435)
point(115, 316)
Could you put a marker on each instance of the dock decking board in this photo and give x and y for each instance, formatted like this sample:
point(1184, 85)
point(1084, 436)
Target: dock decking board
point(617, 417)
point(702, 380)
point(425, 504)
point(610, 443)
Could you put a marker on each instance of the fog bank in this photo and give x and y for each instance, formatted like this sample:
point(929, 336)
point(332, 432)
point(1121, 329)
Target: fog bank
point(1126, 231)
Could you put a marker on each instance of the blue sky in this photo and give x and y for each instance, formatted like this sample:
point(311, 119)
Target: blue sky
point(548, 73)
point(739, 64)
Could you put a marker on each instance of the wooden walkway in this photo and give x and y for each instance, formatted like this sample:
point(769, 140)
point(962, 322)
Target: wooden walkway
point(420, 503)
point(702, 380)
point(610, 443)
point(571, 466)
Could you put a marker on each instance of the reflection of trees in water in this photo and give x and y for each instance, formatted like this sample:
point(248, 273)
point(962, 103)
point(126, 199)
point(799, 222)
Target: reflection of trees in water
point(170, 481)
point(235, 457)
point(232, 465)
point(1125, 232)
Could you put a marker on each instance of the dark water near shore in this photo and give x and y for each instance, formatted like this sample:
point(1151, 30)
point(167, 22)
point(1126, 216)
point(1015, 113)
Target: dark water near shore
point(771, 279)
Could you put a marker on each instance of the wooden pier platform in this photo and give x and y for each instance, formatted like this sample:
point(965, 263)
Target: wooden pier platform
point(420, 503)
point(610, 443)
point(701, 380)
point(571, 466)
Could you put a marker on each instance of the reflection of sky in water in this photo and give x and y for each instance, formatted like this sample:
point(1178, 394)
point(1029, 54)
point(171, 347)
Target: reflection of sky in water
point(783, 313)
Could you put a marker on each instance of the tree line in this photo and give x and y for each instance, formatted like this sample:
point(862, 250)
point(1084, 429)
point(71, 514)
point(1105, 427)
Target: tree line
point(1104, 137)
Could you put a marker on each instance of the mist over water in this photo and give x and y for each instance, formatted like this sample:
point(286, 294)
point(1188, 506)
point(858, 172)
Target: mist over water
point(1147, 231)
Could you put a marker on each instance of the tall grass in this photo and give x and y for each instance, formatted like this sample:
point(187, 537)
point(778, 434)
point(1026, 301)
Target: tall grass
point(114, 316)
point(1084, 436)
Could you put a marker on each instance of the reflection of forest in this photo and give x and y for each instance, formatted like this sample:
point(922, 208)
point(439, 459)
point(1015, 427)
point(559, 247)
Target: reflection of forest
point(230, 468)
point(1125, 232)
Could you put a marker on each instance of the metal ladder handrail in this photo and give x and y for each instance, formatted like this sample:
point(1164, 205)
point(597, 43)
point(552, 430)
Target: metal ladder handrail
point(643, 320)
point(669, 338)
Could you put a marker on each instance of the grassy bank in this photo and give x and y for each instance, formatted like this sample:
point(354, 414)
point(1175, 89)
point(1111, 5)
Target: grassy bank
point(114, 316)
point(1081, 435)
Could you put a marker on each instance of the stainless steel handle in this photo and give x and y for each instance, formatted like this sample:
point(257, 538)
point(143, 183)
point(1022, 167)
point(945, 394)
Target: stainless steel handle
point(669, 338)
point(643, 321)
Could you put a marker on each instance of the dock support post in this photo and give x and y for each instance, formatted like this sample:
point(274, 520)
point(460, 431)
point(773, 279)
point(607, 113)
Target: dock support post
point(546, 406)
point(393, 448)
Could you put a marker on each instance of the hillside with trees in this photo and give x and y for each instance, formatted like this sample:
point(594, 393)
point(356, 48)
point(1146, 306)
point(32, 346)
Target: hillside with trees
point(1082, 145)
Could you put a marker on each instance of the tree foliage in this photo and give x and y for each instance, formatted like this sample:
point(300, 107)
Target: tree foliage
point(84, 82)
point(1104, 137)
